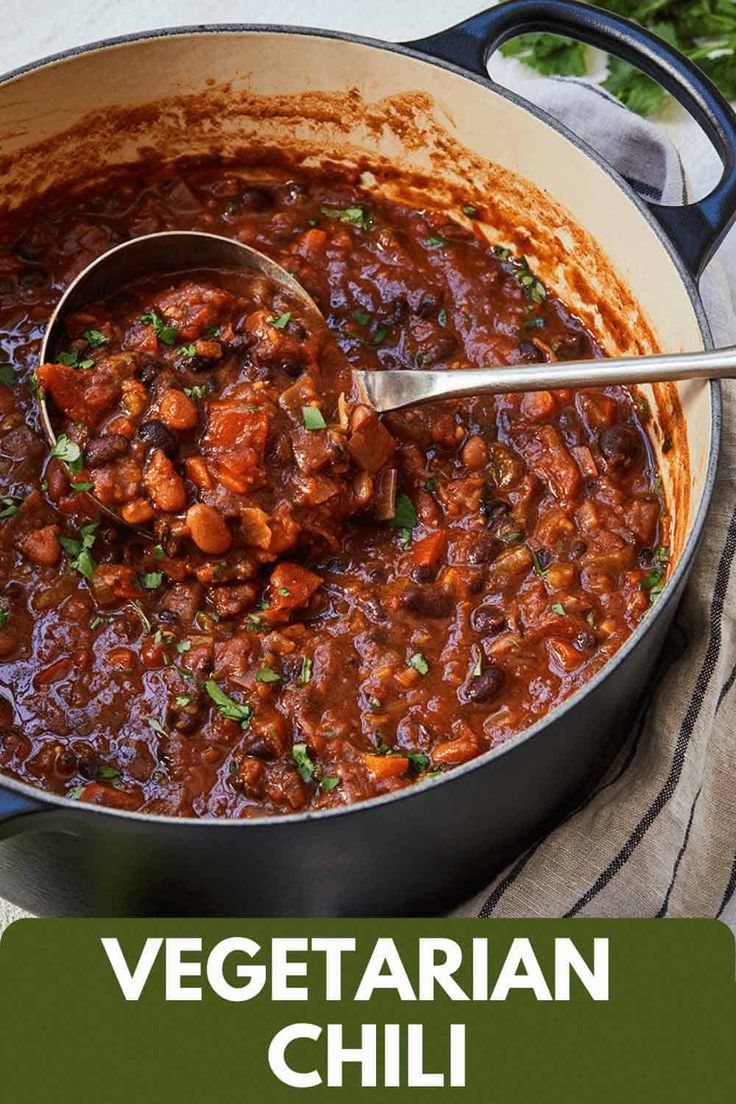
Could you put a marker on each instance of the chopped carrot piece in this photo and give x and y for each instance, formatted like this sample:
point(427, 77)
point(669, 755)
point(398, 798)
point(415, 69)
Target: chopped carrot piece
point(430, 550)
point(386, 766)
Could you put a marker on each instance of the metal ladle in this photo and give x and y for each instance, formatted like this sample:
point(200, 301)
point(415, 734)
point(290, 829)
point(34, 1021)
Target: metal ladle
point(179, 251)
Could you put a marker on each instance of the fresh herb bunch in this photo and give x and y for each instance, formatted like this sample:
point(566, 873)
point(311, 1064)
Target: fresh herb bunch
point(704, 30)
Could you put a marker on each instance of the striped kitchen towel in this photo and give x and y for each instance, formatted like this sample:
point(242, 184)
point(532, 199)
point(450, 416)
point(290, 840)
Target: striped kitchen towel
point(658, 836)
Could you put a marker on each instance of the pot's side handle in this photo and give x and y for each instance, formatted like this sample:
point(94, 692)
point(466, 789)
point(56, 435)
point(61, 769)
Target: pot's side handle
point(695, 229)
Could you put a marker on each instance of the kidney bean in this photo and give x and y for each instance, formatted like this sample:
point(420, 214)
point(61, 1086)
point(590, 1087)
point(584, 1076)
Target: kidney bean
point(158, 436)
point(482, 687)
point(427, 601)
point(105, 449)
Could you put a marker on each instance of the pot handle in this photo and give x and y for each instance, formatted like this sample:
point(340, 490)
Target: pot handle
point(695, 229)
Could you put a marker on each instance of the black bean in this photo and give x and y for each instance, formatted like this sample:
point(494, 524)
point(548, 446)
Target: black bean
point(620, 445)
point(427, 601)
point(485, 547)
point(645, 557)
point(159, 436)
point(530, 352)
point(258, 199)
point(261, 747)
point(578, 548)
point(424, 573)
point(482, 687)
point(105, 449)
point(487, 619)
point(569, 423)
point(428, 305)
point(585, 641)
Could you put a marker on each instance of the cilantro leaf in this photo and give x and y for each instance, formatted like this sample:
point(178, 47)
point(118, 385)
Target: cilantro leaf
point(354, 215)
point(267, 674)
point(304, 765)
point(165, 333)
point(7, 374)
point(228, 708)
point(95, 339)
point(282, 321)
point(68, 451)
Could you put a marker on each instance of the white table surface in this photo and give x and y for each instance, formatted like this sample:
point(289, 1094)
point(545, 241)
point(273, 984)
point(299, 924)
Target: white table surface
point(35, 28)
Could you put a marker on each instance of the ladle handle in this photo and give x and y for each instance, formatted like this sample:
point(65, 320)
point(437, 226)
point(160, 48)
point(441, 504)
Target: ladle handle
point(392, 390)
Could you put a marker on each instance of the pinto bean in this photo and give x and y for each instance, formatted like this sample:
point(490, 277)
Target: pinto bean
point(177, 411)
point(105, 449)
point(208, 529)
point(475, 453)
point(427, 601)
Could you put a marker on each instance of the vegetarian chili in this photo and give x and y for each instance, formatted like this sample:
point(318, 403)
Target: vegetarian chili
point(329, 606)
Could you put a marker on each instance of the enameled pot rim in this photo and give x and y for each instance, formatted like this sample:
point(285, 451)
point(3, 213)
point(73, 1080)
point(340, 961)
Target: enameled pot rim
point(40, 799)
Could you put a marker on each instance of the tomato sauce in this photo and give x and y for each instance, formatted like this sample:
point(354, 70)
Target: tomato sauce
point(314, 606)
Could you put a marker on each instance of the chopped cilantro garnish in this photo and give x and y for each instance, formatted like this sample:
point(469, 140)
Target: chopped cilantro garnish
point(181, 701)
point(419, 663)
point(71, 360)
point(78, 551)
point(150, 580)
point(534, 288)
point(355, 215)
point(502, 252)
point(282, 321)
point(108, 773)
point(183, 646)
point(4, 614)
point(313, 419)
point(559, 609)
point(158, 552)
point(434, 241)
point(431, 484)
point(165, 333)
point(418, 759)
point(305, 673)
point(469, 210)
point(68, 451)
point(7, 374)
point(228, 708)
point(267, 674)
point(304, 765)
point(361, 317)
point(8, 507)
point(329, 783)
point(197, 392)
point(95, 339)
point(405, 515)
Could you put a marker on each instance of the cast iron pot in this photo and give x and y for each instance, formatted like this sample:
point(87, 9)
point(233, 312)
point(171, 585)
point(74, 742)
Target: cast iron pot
point(418, 851)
